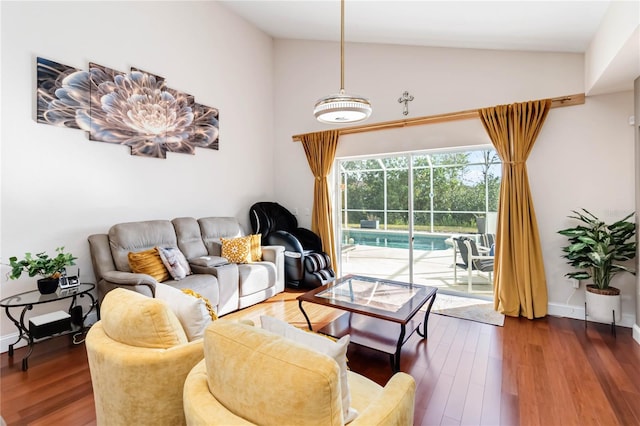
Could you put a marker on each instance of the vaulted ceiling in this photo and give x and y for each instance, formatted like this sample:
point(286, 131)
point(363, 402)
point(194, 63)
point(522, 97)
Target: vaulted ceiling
point(546, 26)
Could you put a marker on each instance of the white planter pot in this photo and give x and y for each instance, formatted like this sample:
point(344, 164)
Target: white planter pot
point(601, 307)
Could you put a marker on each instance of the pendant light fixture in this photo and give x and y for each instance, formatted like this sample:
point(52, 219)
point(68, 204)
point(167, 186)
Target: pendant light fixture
point(341, 107)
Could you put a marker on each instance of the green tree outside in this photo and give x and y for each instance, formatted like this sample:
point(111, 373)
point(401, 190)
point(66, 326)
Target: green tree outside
point(465, 185)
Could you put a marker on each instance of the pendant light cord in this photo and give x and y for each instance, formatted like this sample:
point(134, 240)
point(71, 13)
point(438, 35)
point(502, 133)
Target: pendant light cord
point(341, 46)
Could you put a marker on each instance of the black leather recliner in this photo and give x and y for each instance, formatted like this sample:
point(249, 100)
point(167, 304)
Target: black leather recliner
point(306, 265)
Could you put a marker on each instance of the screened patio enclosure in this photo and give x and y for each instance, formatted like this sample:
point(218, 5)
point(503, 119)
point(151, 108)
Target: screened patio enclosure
point(399, 213)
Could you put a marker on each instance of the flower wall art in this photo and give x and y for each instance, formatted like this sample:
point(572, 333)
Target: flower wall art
point(136, 109)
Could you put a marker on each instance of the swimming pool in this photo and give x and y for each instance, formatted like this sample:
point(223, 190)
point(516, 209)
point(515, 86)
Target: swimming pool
point(395, 239)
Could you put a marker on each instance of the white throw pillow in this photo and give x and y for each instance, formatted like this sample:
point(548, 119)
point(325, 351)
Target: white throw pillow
point(175, 262)
point(191, 311)
point(336, 350)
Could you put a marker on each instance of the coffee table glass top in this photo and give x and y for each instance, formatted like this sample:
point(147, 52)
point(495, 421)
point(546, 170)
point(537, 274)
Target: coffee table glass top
point(368, 292)
point(392, 300)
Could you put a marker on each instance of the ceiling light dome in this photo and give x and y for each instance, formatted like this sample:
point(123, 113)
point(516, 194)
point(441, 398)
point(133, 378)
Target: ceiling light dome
point(342, 108)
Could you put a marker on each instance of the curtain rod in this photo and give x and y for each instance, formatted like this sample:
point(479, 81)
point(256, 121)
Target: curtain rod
point(561, 101)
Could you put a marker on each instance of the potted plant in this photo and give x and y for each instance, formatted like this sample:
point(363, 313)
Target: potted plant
point(49, 268)
point(596, 250)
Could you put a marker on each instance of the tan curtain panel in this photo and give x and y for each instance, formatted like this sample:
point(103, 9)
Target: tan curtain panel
point(320, 149)
point(520, 285)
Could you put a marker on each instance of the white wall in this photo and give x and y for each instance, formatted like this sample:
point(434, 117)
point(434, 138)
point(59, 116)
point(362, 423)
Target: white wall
point(583, 156)
point(612, 60)
point(636, 121)
point(58, 187)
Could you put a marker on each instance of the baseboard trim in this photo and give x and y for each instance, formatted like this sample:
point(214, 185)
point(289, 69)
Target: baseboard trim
point(8, 339)
point(577, 312)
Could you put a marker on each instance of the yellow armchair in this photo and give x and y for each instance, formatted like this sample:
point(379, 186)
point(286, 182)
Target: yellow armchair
point(253, 377)
point(139, 358)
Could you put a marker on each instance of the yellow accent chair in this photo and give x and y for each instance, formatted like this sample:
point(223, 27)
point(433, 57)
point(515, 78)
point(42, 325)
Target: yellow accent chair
point(251, 376)
point(139, 357)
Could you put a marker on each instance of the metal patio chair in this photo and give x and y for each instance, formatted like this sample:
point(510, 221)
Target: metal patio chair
point(473, 260)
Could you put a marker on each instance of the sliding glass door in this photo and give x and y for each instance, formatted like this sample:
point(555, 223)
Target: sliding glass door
point(400, 213)
point(374, 230)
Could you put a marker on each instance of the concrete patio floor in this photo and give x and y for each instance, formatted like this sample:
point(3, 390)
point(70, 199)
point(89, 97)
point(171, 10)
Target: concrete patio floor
point(433, 268)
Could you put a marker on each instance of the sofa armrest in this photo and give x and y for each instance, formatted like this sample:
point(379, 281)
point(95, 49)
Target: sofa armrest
point(393, 406)
point(228, 285)
point(271, 253)
point(120, 278)
point(275, 254)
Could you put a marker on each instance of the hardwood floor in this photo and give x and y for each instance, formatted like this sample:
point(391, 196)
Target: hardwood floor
point(544, 372)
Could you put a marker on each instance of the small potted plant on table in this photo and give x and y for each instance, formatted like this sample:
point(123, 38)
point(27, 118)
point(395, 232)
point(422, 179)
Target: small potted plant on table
point(49, 268)
point(596, 250)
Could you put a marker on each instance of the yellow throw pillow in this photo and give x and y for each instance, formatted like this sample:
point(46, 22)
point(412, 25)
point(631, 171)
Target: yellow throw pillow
point(148, 262)
point(237, 250)
point(256, 248)
point(210, 310)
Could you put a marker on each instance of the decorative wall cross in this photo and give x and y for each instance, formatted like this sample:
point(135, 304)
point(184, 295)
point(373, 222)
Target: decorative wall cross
point(406, 98)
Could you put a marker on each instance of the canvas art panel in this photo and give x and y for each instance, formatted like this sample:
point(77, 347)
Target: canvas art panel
point(135, 109)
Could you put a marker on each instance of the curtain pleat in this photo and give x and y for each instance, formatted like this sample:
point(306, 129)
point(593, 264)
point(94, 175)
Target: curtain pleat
point(320, 149)
point(520, 286)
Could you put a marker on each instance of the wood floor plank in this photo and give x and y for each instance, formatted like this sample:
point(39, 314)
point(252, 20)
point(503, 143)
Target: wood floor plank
point(492, 398)
point(559, 394)
point(548, 371)
point(472, 411)
point(459, 391)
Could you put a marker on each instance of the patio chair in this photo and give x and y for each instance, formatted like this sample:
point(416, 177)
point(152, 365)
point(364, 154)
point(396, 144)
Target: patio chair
point(487, 240)
point(473, 261)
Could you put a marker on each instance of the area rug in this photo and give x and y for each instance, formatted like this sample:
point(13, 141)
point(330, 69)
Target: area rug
point(468, 308)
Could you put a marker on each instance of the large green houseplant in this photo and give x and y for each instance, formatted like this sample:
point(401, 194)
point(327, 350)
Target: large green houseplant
point(596, 250)
point(49, 268)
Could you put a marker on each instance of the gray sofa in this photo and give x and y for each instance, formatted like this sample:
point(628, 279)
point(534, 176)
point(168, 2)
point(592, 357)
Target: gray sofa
point(228, 287)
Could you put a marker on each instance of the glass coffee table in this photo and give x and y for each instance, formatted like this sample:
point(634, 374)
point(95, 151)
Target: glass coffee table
point(380, 314)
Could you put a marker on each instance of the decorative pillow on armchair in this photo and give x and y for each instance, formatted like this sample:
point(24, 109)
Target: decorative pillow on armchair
point(193, 311)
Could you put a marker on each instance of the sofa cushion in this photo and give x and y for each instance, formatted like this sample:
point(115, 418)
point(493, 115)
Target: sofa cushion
point(255, 277)
point(214, 228)
point(139, 236)
point(189, 237)
point(204, 284)
point(237, 250)
point(268, 379)
point(148, 262)
point(175, 262)
point(137, 320)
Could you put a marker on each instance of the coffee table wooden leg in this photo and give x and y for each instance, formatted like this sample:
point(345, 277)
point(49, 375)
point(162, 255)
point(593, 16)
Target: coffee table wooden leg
point(305, 315)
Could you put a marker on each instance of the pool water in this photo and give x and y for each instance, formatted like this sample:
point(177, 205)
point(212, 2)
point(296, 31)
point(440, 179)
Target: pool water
point(395, 239)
